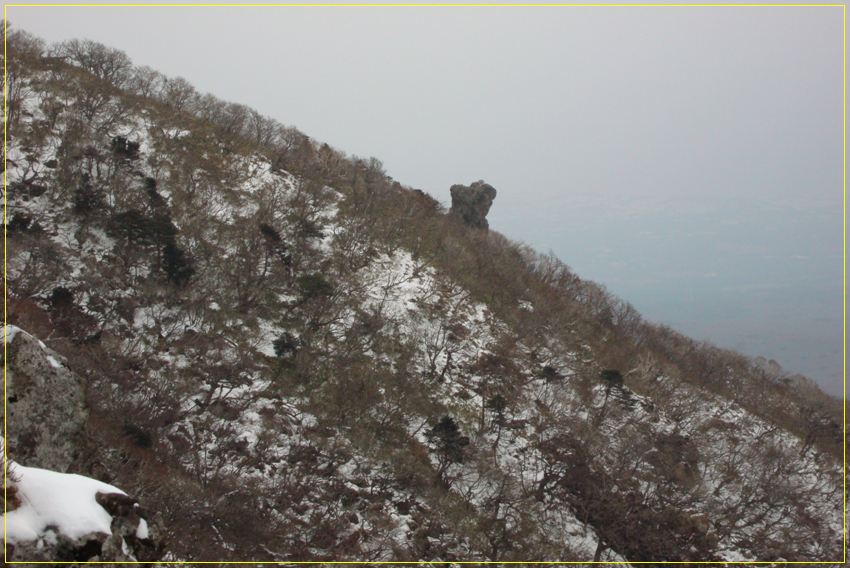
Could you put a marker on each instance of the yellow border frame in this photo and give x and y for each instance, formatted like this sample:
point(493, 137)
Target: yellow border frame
point(844, 217)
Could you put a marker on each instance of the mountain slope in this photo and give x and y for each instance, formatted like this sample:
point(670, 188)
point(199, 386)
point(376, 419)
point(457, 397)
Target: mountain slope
point(297, 358)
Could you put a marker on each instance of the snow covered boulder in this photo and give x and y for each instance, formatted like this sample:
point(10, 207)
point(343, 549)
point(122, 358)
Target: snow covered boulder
point(45, 405)
point(70, 518)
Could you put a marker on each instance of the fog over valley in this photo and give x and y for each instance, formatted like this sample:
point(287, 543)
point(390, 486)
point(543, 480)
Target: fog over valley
point(713, 269)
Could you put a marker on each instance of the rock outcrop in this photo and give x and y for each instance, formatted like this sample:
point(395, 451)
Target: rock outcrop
point(45, 420)
point(45, 404)
point(472, 203)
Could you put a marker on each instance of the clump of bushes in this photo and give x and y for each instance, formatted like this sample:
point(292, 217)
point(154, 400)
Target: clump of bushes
point(447, 443)
point(314, 286)
point(124, 148)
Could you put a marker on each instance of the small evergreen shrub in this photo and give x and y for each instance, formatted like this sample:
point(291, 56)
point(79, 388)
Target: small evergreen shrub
point(446, 441)
point(176, 264)
point(61, 297)
point(314, 285)
point(285, 346)
point(612, 377)
point(19, 224)
point(124, 149)
point(270, 232)
point(87, 199)
point(135, 227)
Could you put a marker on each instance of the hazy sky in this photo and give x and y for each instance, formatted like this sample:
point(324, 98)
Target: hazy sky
point(691, 159)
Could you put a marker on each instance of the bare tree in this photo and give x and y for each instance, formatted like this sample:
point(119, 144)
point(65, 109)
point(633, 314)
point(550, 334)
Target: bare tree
point(105, 63)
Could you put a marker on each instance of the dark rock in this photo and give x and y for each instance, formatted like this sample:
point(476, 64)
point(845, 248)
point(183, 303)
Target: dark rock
point(116, 504)
point(473, 203)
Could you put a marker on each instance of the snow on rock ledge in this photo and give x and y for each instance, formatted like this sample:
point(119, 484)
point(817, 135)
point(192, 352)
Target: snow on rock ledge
point(67, 517)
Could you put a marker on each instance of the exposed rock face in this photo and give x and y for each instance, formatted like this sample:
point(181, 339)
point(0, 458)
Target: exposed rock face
point(473, 203)
point(45, 404)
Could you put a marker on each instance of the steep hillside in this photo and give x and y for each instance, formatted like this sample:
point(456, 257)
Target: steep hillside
point(293, 357)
